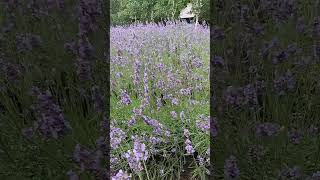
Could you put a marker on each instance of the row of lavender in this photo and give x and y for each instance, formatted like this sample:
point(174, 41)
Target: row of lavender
point(266, 89)
point(52, 107)
point(266, 64)
point(160, 101)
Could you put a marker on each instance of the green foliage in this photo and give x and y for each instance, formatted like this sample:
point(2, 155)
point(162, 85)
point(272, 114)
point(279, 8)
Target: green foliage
point(129, 11)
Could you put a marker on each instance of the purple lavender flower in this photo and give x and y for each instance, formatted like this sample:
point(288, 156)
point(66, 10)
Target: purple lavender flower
point(196, 62)
point(189, 148)
point(217, 33)
point(284, 9)
point(237, 97)
point(136, 74)
point(86, 159)
point(125, 98)
point(158, 128)
point(140, 152)
point(84, 49)
point(316, 176)
point(146, 85)
point(291, 173)
point(121, 175)
point(295, 136)
point(174, 101)
point(155, 140)
point(174, 115)
point(137, 155)
point(280, 57)
point(250, 95)
point(218, 61)
point(116, 137)
point(231, 169)
point(50, 121)
point(203, 125)
point(26, 42)
point(214, 127)
point(137, 111)
point(13, 72)
point(160, 84)
point(200, 160)
point(113, 160)
point(133, 163)
point(186, 133)
point(267, 129)
point(84, 53)
point(234, 96)
point(89, 11)
point(132, 121)
point(160, 66)
point(285, 83)
point(186, 91)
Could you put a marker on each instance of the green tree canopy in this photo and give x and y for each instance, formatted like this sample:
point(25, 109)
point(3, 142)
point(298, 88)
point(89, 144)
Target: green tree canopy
point(128, 11)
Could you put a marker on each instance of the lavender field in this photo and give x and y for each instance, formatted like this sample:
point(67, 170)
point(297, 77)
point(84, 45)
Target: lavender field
point(160, 101)
point(236, 100)
point(265, 66)
point(53, 82)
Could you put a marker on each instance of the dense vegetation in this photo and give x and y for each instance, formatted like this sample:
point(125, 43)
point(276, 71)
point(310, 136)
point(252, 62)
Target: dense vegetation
point(129, 11)
point(265, 62)
point(54, 90)
point(160, 101)
point(53, 76)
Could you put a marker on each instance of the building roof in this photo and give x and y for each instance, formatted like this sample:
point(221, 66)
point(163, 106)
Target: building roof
point(187, 12)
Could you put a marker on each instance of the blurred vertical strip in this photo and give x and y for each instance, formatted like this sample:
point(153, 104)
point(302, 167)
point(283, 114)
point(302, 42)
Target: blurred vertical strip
point(216, 35)
point(106, 12)
point(212, 8)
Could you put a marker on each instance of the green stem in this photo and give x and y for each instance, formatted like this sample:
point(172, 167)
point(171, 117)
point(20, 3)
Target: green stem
point(145, 167)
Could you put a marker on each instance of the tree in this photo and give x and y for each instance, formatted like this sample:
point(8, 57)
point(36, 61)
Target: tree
point(129, 11)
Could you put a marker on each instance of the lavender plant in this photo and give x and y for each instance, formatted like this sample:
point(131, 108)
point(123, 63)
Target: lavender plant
point(264, 63)
point(53, 75)
point(160, 98)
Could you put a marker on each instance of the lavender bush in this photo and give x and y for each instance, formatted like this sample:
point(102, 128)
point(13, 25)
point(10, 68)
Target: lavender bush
point(53, 72)
point(160, 101)
point(54, 92)
point(265, 64)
